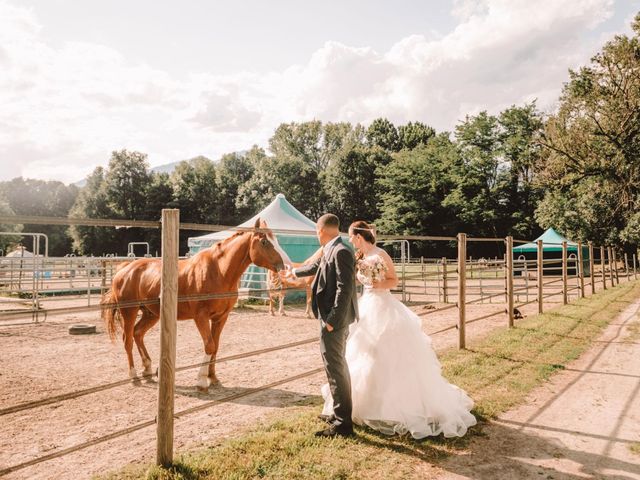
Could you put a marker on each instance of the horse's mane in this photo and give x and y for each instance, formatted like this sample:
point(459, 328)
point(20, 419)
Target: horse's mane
point(219, 245)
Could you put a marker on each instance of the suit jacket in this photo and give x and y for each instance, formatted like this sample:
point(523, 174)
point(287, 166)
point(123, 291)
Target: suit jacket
point(334, 298)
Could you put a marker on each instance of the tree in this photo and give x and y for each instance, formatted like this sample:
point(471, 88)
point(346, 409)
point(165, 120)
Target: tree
point(127, 190)
point(519, 132)
point(233, 171)
point(415, 184)
point(42, 198)
point(195, 191)
point(413, 134)
point(474, 199)
point(125, 183)
point(352, 183)
point(159, 195)
point(593, 144)
point(7, 241)
point(93, 202)
point(382, 133)
point(273, 175)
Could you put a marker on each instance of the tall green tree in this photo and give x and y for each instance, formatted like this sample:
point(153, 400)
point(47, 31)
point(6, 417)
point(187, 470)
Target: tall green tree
point(233, 171)
point(195, 191)
point(42, 198)
point(93, 202)
point(158, 195)
point(414, 186)
point(126, 179)
point(287, 175)
point(8, 241)
point(413, 134)
point(475, 199)
point(352, 183)
point(519, 148)
point(593, 145)
point(382, 133)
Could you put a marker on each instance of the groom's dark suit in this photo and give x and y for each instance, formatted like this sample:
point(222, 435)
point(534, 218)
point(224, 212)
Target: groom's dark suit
point(334, 303)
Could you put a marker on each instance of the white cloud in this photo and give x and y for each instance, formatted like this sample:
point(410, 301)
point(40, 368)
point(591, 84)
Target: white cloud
point(65, 108)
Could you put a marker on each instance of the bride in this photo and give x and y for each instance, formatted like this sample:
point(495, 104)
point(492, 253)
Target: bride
point(396, 380)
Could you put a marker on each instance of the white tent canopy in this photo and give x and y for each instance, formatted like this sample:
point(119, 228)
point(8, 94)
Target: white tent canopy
point(279, 215)
point(19, 252)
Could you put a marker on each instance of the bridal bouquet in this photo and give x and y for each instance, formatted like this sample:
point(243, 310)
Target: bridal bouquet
point(371, 270)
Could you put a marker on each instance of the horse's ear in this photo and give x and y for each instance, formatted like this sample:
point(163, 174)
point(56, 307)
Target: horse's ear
point(257, 224)
point(263, 224)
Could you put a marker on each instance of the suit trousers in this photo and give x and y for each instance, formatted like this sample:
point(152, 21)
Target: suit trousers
point(332, 347)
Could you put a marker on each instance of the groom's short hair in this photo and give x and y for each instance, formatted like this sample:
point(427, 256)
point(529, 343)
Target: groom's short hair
point(329, 220)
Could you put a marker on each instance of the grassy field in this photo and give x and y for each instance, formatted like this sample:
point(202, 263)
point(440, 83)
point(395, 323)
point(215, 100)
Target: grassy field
point(497, 372)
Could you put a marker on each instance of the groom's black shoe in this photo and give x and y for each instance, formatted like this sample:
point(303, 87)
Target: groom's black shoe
point(327, 418)
point(336, 431)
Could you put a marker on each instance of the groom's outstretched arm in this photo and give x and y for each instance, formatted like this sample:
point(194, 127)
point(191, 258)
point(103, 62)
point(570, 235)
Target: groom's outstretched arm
point(307, 270)
point(345, 284)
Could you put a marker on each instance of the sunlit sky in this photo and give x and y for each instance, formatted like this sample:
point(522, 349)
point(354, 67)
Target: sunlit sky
point(180, 79)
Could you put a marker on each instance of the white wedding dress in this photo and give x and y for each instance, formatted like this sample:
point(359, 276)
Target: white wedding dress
point(396, 380)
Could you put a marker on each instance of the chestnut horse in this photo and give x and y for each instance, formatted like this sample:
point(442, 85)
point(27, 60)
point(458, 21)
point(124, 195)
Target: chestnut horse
point(278, 285)
point(215, 270)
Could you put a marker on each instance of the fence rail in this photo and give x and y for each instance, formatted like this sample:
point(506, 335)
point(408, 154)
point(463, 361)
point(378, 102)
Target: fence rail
point(35, 286)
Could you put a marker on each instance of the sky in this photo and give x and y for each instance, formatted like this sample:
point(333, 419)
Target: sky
point(175, 80)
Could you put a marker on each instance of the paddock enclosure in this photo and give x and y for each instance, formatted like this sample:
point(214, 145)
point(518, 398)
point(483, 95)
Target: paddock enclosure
point(68, 407)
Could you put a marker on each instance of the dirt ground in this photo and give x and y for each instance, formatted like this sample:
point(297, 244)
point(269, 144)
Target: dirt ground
point(579, 425)
point(38, 361)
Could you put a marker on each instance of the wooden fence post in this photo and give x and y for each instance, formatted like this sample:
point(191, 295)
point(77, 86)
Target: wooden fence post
point(540, 276)
point(635, 273)
point(509, 265)
point(168, 328)
point(626, 265)
point(565, 299)
point(603, 265)
point(462, 285)
point(592, 275)
point(615, 265)
point(445, 297)
point(611, 266)
point(581, 268)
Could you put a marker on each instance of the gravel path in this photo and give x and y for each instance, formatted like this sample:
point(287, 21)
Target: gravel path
point(580, 425)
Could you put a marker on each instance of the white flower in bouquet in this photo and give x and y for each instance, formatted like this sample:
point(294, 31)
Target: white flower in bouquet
point(371, 270)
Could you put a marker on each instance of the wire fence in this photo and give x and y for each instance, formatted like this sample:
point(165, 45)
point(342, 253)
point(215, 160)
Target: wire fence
point(34, 289)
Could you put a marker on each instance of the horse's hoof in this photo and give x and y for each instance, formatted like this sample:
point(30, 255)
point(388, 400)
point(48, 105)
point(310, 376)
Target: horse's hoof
point(132, 374)
point(215, 382)
point(202, 389)
point(283, 314)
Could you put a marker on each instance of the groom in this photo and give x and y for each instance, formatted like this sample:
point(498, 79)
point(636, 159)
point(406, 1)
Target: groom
point(334, 303)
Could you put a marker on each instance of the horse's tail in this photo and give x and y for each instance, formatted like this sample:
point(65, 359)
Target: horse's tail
point(111, 313)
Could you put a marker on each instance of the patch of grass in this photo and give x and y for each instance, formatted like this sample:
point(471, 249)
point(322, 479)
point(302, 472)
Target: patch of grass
point(635, 448)
point(498, 372)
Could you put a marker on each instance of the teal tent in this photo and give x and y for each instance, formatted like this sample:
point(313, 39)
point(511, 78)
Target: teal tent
point(552, 249)
point(279, 215)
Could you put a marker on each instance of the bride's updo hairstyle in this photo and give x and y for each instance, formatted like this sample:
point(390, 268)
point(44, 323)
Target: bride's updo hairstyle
point(366, 231)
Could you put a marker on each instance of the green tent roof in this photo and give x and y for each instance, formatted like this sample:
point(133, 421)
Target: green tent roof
point(279, 215)
point(551, 242)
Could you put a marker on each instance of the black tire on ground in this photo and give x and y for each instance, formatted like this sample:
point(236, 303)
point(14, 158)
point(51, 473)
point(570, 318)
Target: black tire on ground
point(82, 329)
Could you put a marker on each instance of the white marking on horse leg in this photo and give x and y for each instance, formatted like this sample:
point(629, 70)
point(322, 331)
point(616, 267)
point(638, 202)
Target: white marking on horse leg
point(147, 366)
point(203, 373)
point(132, 373)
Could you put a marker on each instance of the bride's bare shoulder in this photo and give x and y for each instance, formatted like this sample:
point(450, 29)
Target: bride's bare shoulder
point(381, 253)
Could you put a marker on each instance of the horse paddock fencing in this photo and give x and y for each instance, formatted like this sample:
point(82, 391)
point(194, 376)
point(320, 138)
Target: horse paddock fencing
point(431, 286)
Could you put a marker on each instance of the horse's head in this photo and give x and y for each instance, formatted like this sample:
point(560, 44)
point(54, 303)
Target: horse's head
point(265, 250)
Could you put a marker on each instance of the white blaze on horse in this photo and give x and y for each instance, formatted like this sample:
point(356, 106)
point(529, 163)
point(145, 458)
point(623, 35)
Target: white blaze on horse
point(215, 270)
